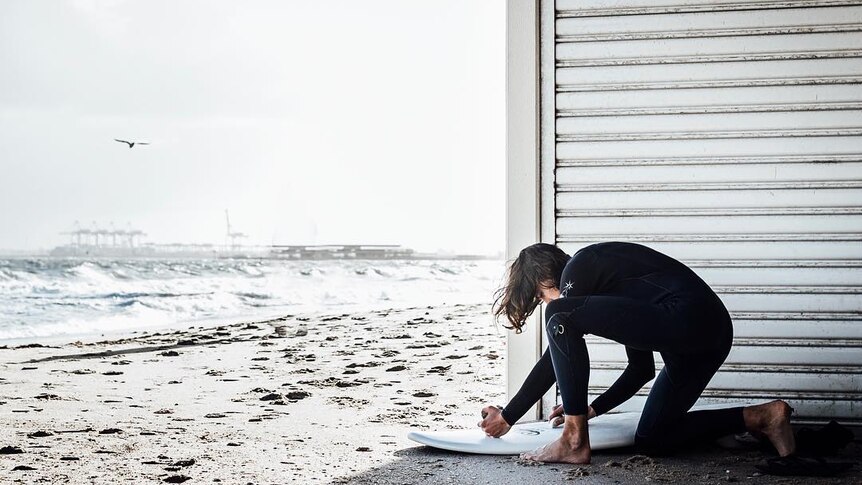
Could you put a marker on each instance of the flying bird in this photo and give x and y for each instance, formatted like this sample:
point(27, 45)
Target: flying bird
point(132, 143)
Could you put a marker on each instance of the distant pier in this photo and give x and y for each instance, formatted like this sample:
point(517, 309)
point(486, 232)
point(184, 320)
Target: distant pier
point(126, 243)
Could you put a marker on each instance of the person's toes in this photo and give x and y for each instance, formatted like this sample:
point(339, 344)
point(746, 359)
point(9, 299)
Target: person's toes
point(532, 455)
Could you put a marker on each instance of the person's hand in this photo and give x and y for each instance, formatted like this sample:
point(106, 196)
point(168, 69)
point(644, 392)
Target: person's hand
point(557, 417)
point(493, 423)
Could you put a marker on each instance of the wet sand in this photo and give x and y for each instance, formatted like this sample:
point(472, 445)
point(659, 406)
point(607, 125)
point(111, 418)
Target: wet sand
point(299, 399)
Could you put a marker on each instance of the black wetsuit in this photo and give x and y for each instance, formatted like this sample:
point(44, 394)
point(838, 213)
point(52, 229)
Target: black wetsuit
point(648, 302)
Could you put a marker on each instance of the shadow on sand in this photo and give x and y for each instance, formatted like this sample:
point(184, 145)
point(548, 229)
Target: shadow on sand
point(706, 464)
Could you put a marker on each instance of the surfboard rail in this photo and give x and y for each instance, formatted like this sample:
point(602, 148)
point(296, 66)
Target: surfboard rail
point(606, 432)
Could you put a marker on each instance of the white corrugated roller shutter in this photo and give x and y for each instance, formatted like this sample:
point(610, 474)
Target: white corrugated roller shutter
point(728, 135)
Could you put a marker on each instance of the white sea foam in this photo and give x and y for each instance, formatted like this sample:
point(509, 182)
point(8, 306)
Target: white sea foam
point(57, 297)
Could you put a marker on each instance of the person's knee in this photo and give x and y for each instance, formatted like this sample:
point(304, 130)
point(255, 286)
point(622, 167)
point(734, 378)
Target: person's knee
point(658, 434)
point(652, 444)
point(551, 327)
point(557, 320)
point(553, 308)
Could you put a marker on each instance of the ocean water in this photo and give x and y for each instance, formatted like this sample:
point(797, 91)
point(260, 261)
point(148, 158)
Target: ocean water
point(45, 297)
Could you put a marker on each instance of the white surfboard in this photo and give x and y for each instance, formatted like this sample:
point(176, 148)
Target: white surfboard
point(606, 431)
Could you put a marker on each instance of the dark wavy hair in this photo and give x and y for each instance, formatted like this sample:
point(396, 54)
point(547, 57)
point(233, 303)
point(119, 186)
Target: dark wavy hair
point(537, 266)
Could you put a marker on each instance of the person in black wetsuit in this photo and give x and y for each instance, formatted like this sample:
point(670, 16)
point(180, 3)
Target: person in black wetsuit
point(649, 302)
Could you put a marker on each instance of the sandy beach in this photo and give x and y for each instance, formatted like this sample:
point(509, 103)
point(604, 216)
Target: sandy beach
point(298, 399)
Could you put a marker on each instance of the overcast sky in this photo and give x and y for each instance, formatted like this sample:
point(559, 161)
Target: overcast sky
point(312, 122)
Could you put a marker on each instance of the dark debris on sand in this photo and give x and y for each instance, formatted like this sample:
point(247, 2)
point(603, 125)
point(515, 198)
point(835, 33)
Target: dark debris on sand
point(177, 479)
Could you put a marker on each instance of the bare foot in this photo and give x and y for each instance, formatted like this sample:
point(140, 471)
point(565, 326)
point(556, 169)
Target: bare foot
point(572, 447)
point(772, 420)
point(560, 452)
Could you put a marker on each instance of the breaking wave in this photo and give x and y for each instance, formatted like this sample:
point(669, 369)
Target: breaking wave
point(46, 297)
